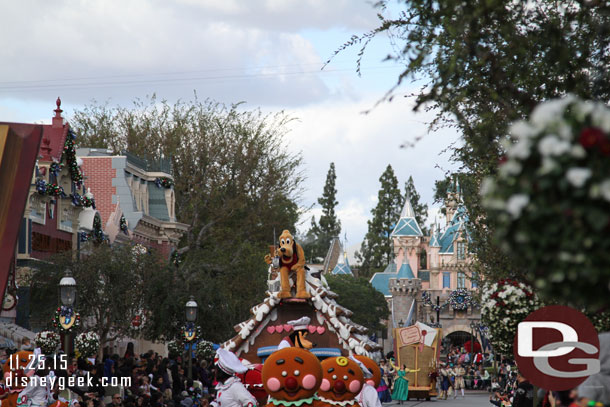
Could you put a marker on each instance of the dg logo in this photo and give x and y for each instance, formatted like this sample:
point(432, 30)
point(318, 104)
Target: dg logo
point(556, 348)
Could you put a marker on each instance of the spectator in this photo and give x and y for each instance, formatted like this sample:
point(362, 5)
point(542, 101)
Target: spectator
point(524, 394)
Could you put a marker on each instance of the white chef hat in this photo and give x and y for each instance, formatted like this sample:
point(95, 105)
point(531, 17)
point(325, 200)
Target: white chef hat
point(367, 373)
point(301, 323)
point(228, 362)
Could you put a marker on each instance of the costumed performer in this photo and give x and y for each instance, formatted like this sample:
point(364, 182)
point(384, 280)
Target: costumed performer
point(292, 376)
point(342, 381)
point(298, 336)
point(372, 376)
point(401, 385)
point(38, 389)
point(230, 392)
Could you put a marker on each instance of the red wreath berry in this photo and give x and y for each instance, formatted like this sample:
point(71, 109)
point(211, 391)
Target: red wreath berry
point(590, 137)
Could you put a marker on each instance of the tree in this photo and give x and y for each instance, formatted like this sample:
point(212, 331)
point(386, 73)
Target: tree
point(321, 234)
point(377, 249)
point(359, 296)
point(420, 209)
point(113, 285)
point(486, 64)
point(235, 182)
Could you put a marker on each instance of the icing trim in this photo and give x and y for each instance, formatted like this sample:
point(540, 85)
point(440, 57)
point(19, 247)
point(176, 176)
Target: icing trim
point(338, 403)
point(296, 403)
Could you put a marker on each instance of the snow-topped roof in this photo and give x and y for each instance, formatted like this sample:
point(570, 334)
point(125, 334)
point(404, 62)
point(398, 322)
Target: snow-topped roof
point(352, 336)
point(456, 228)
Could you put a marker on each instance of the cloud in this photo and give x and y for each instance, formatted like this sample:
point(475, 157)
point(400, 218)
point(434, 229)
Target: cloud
point(361, 146)
point(227, 50)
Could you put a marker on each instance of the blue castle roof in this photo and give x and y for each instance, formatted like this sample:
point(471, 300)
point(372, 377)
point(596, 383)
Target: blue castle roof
point(407, 225)
point(342, 266)
point(381, 281)
point(457, 225)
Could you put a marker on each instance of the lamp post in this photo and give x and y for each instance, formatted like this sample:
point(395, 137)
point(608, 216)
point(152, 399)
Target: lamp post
point(67, 296)
point(438, 310)
point(191, 317)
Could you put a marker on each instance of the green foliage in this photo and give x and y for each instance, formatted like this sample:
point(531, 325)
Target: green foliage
point(486, 64)
point(113, 285)
point(235, 182)
point(318, 237)
point(377, 249)
point(420, 209)
point(359, 296)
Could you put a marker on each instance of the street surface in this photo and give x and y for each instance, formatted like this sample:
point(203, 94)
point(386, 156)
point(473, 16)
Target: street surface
point(472, 399)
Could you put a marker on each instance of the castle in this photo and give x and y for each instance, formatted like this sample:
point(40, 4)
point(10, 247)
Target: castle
point(431, 280)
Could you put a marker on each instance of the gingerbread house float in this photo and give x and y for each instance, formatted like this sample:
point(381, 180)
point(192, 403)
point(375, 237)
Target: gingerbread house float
point(330, 329)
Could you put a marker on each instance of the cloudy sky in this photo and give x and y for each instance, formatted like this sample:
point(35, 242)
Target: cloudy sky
point(267, 53)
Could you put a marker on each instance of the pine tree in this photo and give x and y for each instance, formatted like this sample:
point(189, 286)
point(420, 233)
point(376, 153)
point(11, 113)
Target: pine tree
point(329, 225)
point(317, 239)
point(420, 209)
point(377, 249)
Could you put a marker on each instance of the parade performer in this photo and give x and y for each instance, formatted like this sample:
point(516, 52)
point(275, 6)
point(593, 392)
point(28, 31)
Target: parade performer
point(459, 373)
point(401, 385)
point(14, 376)
point(444, 378)
point(342, 381)
point(292, 258)
point(368, 396)
point(38, 389)
point(292, 376)
point(297, 337)
point(230, 392)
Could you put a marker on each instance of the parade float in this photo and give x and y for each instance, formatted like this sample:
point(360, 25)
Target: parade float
point(330, 328)
point(418, 348)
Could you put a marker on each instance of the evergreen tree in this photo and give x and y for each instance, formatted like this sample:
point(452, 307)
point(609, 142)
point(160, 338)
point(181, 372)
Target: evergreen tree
point(377, 249)
point(420, 209)
point(317, 239)
point(329, 225)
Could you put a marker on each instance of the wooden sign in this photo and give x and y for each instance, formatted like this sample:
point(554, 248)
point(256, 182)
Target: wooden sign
point(409, 335)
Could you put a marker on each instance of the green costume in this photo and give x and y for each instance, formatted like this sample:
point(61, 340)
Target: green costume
point(401, 387)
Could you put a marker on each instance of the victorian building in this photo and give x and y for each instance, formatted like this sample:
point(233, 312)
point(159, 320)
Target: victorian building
point(431, 279)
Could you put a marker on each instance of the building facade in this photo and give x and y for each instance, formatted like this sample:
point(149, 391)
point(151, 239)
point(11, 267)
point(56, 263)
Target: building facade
point(431, 279)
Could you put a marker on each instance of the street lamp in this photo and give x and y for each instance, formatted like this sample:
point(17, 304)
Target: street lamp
point(67, 296)
point(401, 324)
point(191, 310)
point(191, 317)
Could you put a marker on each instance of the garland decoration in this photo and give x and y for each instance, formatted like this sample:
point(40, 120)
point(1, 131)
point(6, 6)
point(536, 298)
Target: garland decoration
point(82, 200)
point(164, 182)
point(47, 341)
point(461, 299)
point(49, 189)
point(55, 168)
point(97, 235)
point(176, 258)
point(123, 225)
point(190, 330)
point(87, 344)
point(67, 315)
point(70, 153)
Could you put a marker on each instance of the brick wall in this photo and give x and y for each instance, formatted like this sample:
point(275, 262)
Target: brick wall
point(98, 174)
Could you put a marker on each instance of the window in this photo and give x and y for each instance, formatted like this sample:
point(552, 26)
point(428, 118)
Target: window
point(461, 250)
point(474, 281)
point(423, 260)
point(423, 275)
point(461, 280)
point(446, 280)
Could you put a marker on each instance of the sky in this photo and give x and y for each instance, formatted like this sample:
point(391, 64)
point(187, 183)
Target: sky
point(266, 53)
